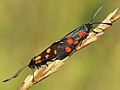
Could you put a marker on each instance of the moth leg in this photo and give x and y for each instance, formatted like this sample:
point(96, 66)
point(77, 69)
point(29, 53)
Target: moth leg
point(101, 28)
point(33, 76)
point(46, 64)
point(79, 45)
point(97, 32)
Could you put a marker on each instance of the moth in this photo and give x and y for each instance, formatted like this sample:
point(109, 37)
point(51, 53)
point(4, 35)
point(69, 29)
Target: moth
point(62, 48)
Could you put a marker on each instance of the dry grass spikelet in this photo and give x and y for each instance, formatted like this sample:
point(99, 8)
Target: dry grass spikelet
point(46, 71)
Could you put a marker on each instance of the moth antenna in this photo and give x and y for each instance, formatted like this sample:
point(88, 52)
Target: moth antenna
point(101, 5)
point(16, 74)
point(102, 23)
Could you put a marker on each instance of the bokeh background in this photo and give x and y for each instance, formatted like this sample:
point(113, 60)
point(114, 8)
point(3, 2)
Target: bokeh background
point(29, 26)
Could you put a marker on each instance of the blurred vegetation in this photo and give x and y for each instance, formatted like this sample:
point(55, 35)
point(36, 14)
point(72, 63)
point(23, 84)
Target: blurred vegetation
point(29, 26)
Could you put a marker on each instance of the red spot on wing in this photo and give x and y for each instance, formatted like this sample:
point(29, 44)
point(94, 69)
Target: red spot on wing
point(38, 61)
point(81, 34)
point(69, 35)
point(76, 42)
point(69, 41)
point(67, 49)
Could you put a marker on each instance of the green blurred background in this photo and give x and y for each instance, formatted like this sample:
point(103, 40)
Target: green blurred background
point(29, 26)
